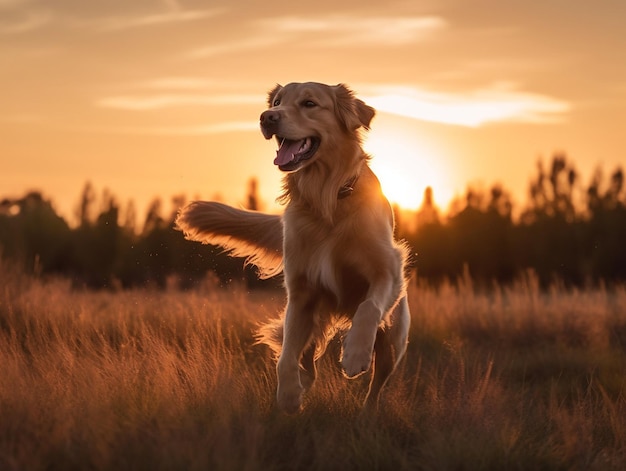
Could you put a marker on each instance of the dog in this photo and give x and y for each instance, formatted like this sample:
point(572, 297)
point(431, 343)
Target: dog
point(334, 243)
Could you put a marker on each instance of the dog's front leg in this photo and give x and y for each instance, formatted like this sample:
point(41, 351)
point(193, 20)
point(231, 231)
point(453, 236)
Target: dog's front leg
point(299, 322)
point(358, 346)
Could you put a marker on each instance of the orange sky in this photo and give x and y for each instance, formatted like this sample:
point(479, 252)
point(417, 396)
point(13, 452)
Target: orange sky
point(157, 98)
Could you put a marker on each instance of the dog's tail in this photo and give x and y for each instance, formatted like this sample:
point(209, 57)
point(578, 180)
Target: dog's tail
point(242, 233)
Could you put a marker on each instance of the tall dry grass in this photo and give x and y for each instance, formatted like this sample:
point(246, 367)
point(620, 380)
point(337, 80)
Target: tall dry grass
point(509, 378)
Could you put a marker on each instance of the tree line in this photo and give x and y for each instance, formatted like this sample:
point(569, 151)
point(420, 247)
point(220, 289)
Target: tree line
point(567, 231)
point(107, 251)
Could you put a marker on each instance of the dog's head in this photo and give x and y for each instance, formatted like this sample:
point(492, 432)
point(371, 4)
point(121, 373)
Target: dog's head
point(307, 117)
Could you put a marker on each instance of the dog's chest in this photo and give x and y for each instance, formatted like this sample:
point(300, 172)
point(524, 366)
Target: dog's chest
point(326, 255)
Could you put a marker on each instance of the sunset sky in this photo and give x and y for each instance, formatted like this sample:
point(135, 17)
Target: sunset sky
point(158, 98)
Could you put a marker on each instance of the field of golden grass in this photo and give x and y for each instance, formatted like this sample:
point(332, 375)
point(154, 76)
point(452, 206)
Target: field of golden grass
point(506, 378)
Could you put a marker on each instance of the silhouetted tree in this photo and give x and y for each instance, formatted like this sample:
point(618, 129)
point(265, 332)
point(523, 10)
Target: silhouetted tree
point(253, 197)
point(428, 212)
point(84, 210)
point(605, 233)
point(32, 233)
point(130, 218)
point(549, 237)
point(431, 244)
point(97, 244)
point(480, 236)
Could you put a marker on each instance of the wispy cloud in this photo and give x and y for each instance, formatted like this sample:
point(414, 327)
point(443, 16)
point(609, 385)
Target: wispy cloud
point(17, 23)
point(239, 45)
point(23, 118)
point(172, 16)
point(190, 130)
point(172, 4)
point(156, 102)
point(9, 4)
point(178, 83)
point(335, 31)
point(19, 16)
point(343, 30)
point(498, 103)
point(194, 83)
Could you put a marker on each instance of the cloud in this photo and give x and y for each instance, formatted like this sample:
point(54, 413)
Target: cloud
point(192, 130)
point(178, 83)
point(335, 31)
point(246, 44)
point(343, 30)
point(195, 83)
point(18, 17)
point(10, 4)
point(25, 22)
point(173, 16)
point(23, 118)
point(156, 102)
point(498, 103)
point(172, 4)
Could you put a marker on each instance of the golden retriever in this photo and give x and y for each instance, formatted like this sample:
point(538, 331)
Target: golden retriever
point(334, 243)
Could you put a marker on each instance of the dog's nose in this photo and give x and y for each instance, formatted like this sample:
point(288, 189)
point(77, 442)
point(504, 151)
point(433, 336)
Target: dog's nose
point(270, 117)
point(270, 120)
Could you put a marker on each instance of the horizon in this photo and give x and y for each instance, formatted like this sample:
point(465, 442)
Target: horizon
point(578, 194)
point(162, 98)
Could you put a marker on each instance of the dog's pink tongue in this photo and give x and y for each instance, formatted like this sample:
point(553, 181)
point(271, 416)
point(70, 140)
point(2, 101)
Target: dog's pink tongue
point(286, 153)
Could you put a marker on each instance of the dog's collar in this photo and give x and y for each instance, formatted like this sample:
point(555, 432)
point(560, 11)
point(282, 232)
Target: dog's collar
point(348, 187)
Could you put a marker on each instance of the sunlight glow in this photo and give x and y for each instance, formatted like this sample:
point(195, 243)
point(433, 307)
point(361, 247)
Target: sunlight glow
point(406, 167)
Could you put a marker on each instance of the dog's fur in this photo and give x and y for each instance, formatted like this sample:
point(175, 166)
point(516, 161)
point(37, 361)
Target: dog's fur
point(334, 242)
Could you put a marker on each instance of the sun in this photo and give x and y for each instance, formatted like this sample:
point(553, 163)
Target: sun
point(406, 167)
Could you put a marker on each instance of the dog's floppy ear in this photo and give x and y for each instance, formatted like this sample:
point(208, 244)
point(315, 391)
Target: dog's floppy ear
point(352, 112)
point(272, 93)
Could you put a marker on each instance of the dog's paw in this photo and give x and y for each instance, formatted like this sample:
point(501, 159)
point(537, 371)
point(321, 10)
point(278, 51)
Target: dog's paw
point(356, 359)
point(289, 399)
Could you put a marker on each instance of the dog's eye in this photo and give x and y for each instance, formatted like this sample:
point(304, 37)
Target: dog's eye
point(309, 104)
point(276, 102)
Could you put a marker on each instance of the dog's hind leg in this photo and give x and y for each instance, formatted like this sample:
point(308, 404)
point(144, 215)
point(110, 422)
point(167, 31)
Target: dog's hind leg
point(298, 331)
point(389, 348)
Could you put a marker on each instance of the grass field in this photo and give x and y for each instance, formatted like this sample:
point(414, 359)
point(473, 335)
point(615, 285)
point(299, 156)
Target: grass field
point(508, 378)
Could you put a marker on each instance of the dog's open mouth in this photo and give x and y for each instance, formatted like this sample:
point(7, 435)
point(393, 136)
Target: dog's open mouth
point(291, 154)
